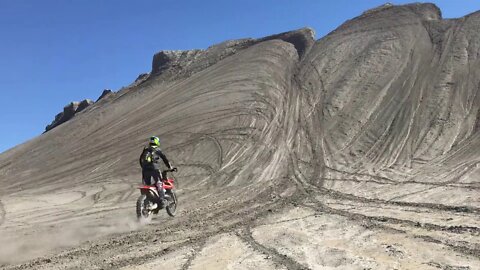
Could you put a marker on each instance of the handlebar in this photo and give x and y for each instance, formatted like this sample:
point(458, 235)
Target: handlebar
point(164, 173)
point(171, 170)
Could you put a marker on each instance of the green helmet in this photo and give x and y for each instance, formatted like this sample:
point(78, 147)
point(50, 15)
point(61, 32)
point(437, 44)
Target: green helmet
point(154, 141)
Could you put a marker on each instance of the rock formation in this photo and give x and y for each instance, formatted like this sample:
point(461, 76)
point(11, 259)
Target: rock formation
point(76, 107)
point(69, 112)
point(105, 94)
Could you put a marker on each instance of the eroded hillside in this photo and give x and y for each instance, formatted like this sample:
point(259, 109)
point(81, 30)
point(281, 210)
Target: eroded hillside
point(356, 151)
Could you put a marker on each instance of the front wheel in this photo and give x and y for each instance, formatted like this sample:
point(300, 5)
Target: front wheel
point(172, 203)
point(143, 213)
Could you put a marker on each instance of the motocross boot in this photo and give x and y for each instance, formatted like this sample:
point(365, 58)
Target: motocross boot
point(161, 193)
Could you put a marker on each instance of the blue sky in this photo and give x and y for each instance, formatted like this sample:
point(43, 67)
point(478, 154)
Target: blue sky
point(56, 51)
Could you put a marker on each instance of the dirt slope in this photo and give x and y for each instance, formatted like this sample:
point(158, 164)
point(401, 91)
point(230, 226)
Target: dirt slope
point(356, 151)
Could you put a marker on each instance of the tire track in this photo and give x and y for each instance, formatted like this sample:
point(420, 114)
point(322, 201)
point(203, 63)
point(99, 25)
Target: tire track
point(197, 249)
point(431, 206)
point(245, 215)
point(96, 196)
point(380, 223)
point(280, 259)
point(340, 195)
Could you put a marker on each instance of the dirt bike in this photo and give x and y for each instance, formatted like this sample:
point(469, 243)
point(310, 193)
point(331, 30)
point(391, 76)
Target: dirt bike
point(149, 203)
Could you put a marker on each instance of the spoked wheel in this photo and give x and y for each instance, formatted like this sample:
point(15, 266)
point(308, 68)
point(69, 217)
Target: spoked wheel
point(143, 213)
point(172, 203)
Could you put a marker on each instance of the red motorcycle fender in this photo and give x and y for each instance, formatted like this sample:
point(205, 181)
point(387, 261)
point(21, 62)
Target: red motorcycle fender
point(150, 192)
point(168, 184)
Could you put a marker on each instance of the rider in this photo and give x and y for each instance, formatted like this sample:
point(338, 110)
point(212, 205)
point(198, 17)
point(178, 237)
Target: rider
point(150, 167)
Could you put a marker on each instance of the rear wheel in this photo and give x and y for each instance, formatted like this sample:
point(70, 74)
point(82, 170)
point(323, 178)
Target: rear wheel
point(143, 213)
point(172, 203)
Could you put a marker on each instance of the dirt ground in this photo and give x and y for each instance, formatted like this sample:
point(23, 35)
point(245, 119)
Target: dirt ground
point(355, 151)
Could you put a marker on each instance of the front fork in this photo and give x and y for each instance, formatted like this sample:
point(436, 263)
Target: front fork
point(161, 190)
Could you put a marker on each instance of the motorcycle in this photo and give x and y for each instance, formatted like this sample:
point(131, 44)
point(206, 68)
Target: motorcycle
point(149, 202)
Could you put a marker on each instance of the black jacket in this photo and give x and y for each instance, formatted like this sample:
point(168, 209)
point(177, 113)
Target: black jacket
point(157, 155)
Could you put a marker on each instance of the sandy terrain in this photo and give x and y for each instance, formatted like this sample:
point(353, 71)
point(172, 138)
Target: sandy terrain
point(359, 150)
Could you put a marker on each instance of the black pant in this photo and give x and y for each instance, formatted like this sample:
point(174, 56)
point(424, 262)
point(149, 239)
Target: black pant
point(147, 176)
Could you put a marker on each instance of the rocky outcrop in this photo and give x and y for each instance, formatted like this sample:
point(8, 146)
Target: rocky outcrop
point(171, 65)
point(105, 94)
point(69, 112)
point(83, 105)
point(302, 39)
point(141, 78)
point(76, 107)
